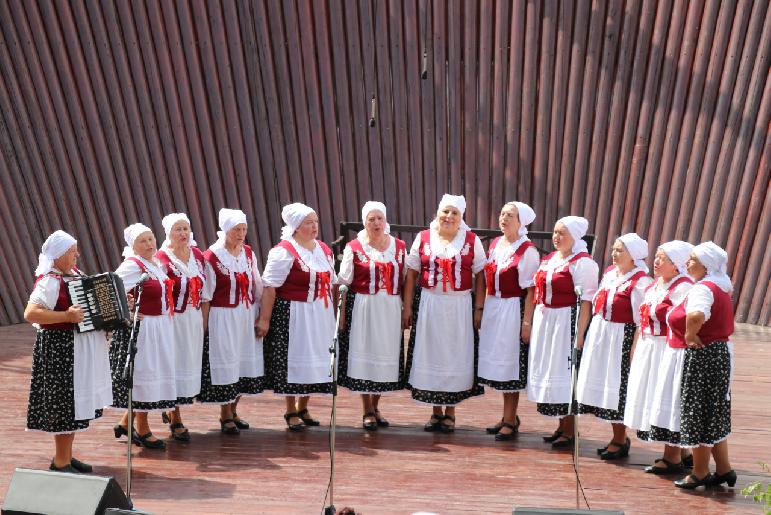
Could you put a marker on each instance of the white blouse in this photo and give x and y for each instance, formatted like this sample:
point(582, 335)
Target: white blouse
point(280, 263)
point(451, 250)
point(528, 263)
point(346, 265)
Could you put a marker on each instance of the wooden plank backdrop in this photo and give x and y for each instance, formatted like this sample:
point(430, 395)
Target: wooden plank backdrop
point(642, 115)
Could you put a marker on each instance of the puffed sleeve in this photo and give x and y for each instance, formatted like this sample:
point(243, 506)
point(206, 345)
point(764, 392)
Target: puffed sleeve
point(277, 268)
point(700, 299)
point(637, 296)
point(346, 267)
point(678, 294)
point(413, 258)
point(130, 273)
point(527, 267)
point(585, 273)
point(480, 258)
point(209, 283)
point(258, 287)
point(46, 292)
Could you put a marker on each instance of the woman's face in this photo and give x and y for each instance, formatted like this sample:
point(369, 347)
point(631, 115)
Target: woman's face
point(236, 235)
point(561, 238)
point(663, 266)
point(449, 219)
point(308, 229)
point(375, 224)
point(144, 246)
point(621, 257)
point(67, 261)
point(180, 234)
point(508, 221)
point(695, 268)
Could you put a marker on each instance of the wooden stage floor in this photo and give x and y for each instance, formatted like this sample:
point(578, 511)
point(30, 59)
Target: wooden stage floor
point(397, 470)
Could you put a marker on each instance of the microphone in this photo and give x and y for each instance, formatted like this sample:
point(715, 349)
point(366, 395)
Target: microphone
point(578, 291)
point(342, 289)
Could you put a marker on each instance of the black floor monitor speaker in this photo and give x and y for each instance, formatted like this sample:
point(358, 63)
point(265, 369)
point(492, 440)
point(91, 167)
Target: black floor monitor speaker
point(563, 511)
point(57, 493)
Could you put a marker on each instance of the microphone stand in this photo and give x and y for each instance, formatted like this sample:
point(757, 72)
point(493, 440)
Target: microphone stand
point(128, 378)
point(330, 509)
point(573, 394)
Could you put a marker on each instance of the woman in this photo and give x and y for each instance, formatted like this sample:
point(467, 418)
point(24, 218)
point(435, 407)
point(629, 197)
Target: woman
point(232, 355)
point(70, 370)
point(602, 379)
point(371, 339)
point(653, 396)
point(297, 314)
point(703, 323)
point(503, 340)
point(567, 270)
point(442, 354)
point(154, 382)
point(184, 264)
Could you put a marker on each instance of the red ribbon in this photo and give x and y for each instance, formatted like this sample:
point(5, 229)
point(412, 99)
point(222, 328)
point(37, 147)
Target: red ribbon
point(490, 269)
point(196, 285)
point(324, 284)
point(645, 313)
point(540, 287)
point(386, 271)
point(599, 301)
point(169, 284)
point(446, 266)
point(242, 283)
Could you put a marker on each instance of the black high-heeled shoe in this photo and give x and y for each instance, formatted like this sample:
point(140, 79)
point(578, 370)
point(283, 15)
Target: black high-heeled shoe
point(239, 422)
point(293, 427)
point(369, 425)
point(307, 419)
point(694, 482)
point(552, 438)
point(567, 443)
point(494, 429)
point(229, 430)
point(432, 426)
point(447, 428)
point(622, 452)
point(145, 441)
point(381, 422)
point(67, 468)
point(500, 436)
point(180, 436)
point(83, 468)
point(118, 430)
point(668, 468)
point(718, 479)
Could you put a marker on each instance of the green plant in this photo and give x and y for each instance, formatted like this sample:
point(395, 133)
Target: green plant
point(760, 493)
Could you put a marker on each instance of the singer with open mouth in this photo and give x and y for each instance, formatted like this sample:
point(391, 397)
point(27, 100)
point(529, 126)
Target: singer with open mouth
point(154, 380)
point(371, 337)
point(70, 370)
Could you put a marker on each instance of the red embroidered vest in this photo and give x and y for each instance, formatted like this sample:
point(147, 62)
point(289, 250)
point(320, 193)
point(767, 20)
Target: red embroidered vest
point(151, 302)
point(508, 277)
point(563, 293)
point(621, 305)
point(187, 291)
point(370, 276)
point(303, 284)
point(453, 273)
point(231, 288)
point(63, 303)
point(653, 318)
point(717, 329)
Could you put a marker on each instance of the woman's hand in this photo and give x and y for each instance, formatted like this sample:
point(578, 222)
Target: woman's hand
point(693, 341)
point(525, 333)
point(262, 326)
point(406, 317)
point(74, 314)
point(580, 343)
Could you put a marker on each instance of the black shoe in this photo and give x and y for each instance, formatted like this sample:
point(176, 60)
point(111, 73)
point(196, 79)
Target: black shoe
point(694, 482)
point(447, 428)
point(494, 429)
point(600, 450)
point(118, 430)
point(552, 438)
point(165, 417)
point(381, 422)
point(567, 443)
point(434, 426)
point(670, 468)
point(622, 452)
point(718, 479)
point(81, 467)
point(500, 436)
point(688, 461)
point(369, 425)
point(181, 436)
point(229, 430)
point(67, 468)
point(307, 420)
point(151, 444)
point(293, 427)
point(240, 423)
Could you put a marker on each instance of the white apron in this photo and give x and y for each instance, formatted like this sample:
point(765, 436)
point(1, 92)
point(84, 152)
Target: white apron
point(188, 351)
point(92, 379)
point(234, 349)
point(154, 362)
point(499, 339)
point(376, 337)
point(549, 373)
point(642, 381)
point(599, 376)
point(311, 332)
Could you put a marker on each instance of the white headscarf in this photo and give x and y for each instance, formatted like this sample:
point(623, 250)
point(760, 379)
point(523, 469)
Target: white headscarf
point(55, 246)
point(130, 235)
point(293, 216)
point(714, 260)
point(637, 248)
point(526, 215)
point(228, 218)
point(577, 227)
point(677, 251)
point(456, 201)
point(169, 221)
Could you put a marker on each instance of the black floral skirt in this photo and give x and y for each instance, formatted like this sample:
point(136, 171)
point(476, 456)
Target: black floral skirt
point(660, 435)
point(51, 405)
point(524, 352)
point(361, 385)
point(118, 351)
point(616, 415)
point(224, 393)
point(433, 397)
point(705, 399)
point(556, 409)
point(276, 356)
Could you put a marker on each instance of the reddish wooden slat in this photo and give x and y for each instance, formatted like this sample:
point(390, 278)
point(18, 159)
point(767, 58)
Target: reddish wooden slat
point(541, 197)
point(413, 50)
point(454, 94)
point(529, 100)
point(479, 213)
point(430, 193)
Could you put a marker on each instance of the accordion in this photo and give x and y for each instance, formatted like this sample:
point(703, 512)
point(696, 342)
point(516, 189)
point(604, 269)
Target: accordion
point(103, 300)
